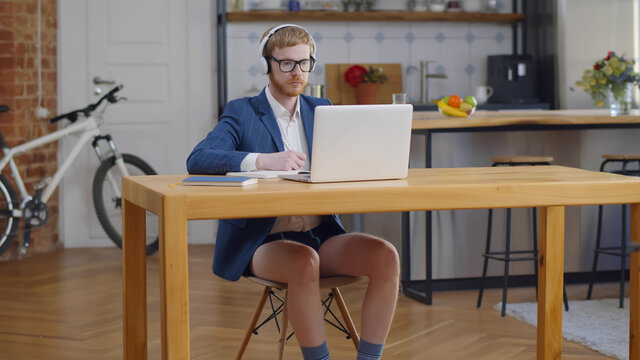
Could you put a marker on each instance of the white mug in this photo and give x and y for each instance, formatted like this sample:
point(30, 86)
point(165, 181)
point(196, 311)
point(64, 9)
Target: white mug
point(483, 93)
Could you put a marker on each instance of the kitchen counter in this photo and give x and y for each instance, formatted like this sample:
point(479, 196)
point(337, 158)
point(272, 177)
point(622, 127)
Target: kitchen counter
point(489, 106)
point(507, 120)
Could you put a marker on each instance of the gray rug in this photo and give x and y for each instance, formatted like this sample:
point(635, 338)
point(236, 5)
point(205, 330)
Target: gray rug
point(597, 324)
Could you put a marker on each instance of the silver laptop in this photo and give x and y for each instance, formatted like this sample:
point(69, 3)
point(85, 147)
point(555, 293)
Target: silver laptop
point(359, 142)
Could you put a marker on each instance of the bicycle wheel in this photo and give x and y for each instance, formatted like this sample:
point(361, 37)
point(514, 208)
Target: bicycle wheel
point(107, 198)
point(8, 223)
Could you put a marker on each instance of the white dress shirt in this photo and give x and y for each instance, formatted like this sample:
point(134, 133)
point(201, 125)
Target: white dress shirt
point(293, 138)
point(291, 129)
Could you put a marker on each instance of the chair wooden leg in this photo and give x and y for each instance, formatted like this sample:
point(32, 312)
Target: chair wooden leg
point(346, 317)
point(254, 321)
point(283, 328)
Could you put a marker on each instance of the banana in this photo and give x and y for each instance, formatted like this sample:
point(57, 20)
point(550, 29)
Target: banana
point(448, 110)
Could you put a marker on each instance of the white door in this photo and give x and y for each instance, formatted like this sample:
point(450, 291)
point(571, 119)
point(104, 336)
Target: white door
point(143, 45)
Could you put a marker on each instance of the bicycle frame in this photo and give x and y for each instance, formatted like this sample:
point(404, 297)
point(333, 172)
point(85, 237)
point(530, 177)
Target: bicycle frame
point(88, 128)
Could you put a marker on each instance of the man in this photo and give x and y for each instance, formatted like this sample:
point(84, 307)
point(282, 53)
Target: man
point(273, 131)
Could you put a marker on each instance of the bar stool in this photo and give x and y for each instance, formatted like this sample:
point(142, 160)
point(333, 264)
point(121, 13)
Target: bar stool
point(622, 250)
point(509, 255)
point(331, 282)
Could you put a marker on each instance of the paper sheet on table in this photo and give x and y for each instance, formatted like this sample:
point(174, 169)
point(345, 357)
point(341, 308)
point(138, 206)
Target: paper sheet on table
point(263, 174)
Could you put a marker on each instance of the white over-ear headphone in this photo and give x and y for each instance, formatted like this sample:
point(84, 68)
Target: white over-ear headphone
point(263, 64)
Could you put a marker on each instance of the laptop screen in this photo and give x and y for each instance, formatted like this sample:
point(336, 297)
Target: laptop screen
point(361, 142)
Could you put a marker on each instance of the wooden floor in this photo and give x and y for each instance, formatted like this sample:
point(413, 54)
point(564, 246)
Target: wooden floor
point(68, 305)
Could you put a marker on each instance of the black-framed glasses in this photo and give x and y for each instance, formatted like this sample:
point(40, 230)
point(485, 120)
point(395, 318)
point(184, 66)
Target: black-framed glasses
point(286, 65)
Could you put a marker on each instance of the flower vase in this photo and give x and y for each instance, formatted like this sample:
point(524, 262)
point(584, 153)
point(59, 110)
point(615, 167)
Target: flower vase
point(619, 99)
point(366, 93)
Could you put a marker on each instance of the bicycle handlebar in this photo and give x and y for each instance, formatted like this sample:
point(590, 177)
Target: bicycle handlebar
point(4, 108)
point(73, 115)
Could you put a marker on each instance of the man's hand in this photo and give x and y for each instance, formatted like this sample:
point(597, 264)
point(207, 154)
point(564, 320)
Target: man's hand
point(284, 160)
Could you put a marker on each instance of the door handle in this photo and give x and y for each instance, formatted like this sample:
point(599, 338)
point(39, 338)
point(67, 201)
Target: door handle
point(99, 81)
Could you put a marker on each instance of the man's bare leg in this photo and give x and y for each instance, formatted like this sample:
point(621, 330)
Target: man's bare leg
point(358, 254)
point(297, 265)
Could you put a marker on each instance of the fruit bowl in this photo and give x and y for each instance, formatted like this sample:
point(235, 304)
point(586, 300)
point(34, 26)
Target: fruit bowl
point(455, 106)
point(469, 113)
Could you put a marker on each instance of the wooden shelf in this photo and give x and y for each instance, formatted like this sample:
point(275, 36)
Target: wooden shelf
point(250, 16)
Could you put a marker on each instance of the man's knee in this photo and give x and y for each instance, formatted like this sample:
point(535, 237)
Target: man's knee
point(304, 265)
point(385, 259)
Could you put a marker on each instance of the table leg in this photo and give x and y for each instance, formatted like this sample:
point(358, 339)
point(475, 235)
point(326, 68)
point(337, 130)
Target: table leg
point(174, 280)
point(408, 289)
point(550, 278)
point(634, 287)
point(134, 292)
point(406, 253)
point(428, 246)
point(428, 228)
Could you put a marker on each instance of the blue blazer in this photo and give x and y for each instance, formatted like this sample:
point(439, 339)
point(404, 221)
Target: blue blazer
point(247, 125)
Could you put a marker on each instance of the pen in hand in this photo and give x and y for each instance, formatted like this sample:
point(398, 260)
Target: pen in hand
point(288, 147)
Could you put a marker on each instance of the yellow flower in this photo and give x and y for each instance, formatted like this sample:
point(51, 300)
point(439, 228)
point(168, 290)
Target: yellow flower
point(592, 82)
point(600, 103)
point(602, 81)
point(608, 70)
point(614, 62)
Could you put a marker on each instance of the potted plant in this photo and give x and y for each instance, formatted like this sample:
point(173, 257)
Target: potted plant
point(365, 82)
point(610, 81)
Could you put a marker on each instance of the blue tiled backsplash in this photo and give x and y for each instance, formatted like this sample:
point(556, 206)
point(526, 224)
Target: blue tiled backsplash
point(460, 51)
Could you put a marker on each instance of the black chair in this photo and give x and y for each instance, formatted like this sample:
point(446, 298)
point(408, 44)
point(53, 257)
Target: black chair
point(622, 250)
point(509, 255)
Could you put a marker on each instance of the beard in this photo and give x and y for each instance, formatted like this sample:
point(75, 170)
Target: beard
point(289, 87)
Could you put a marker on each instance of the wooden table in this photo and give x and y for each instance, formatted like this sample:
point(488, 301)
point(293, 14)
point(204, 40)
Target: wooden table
point(428, 123)
point(549, 188)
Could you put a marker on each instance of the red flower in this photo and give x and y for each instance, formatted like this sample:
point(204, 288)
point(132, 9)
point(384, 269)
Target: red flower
point(609, 54)
point(354, 75)
point(596, 67)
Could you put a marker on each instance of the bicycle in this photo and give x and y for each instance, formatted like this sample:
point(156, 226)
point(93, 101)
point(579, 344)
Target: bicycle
point(106, 187)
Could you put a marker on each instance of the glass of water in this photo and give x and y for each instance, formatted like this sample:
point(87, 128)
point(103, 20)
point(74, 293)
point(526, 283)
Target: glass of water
point(400, 98)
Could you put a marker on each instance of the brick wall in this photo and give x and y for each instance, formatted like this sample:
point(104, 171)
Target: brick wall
point(19, 90)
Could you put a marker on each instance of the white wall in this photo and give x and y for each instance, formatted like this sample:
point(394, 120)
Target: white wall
point(588, 29)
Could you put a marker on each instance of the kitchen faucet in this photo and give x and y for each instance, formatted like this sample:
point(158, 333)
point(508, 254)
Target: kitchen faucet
point(424, 80)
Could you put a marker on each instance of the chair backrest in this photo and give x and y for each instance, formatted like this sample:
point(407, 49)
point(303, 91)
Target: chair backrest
point(621, 157)
point(524, 159)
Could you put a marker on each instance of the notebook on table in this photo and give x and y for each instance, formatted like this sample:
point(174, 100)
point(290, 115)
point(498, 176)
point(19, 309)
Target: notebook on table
point(359, 142)
point(219, 180)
